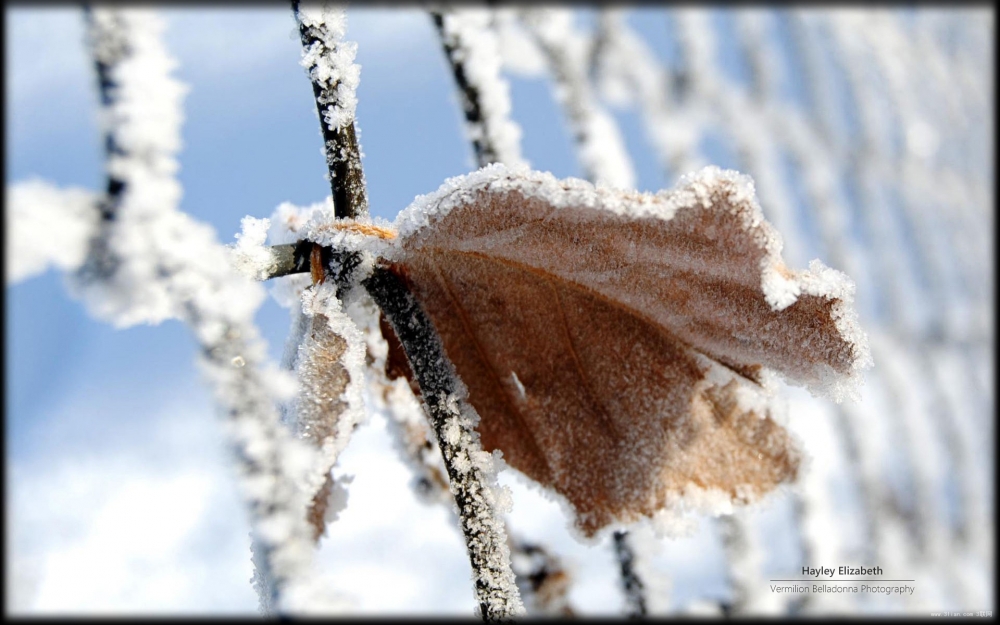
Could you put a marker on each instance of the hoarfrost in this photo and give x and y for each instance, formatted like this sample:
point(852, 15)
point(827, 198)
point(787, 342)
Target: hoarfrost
point(600, 146)
point(473, 48)
point(518, 50)
point(49, 227)
point(330, 62)
point(250, 255)
point(484, 499)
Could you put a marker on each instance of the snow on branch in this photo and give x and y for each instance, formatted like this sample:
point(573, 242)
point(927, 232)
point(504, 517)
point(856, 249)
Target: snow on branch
point(141, 244)
point(542, 579)
point(326, 58)
point(329, 61)
point(471, 471)
point(326, 349)
point(627, 70)
point(600, 145)
point(48, 227)
point(471, 46)
point(148, 262)
point(635, 592)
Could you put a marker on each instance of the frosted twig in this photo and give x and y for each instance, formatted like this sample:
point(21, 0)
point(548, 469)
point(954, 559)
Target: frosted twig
point(628, 72)
point(470, 469)
point(472, 50)
point(599, 144)
point(329, 360)
point(334, 76)
point(150, 261)
point(744, 557)
point(635, 595)
point(542, 579)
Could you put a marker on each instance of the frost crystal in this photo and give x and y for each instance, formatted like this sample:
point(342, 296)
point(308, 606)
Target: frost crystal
point(250, 255)
point(330, 63)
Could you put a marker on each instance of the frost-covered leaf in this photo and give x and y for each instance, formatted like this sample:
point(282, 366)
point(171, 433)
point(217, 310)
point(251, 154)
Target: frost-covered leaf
point(616, 344)
point(329, 367)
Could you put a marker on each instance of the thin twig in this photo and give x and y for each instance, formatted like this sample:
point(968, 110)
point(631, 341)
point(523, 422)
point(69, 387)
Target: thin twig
point(453, 421)
point(336, 112)
point(635, 596)
point(140, 273)
point(599, 144)
point(328, 356)
point(473, 54)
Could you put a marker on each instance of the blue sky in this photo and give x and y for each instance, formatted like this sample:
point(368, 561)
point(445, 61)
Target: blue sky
point(116, 468)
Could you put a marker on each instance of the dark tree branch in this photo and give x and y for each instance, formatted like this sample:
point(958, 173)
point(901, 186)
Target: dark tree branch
point(486, 152)
point(109, 48)
point(290, 258)
point(541, 576)
point(340, 145)
point(635, 595)
point(484, 532)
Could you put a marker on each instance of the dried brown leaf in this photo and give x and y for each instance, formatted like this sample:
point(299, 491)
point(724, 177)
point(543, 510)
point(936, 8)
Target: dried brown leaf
point(323, 379)
point(612, 341)
point(328, 365)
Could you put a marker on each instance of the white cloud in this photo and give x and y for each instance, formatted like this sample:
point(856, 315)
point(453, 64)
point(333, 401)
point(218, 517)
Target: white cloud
point(148, 522)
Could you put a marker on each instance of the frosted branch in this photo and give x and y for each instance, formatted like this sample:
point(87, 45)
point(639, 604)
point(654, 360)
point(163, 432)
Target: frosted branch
point(635, 595)
point(599, 144)
point(542, 579)
point(470, 470)
point(148, 261)
point(48, 227)
point(472, 49)
point(628, 72)
point(329, 61)
point(136, 252)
